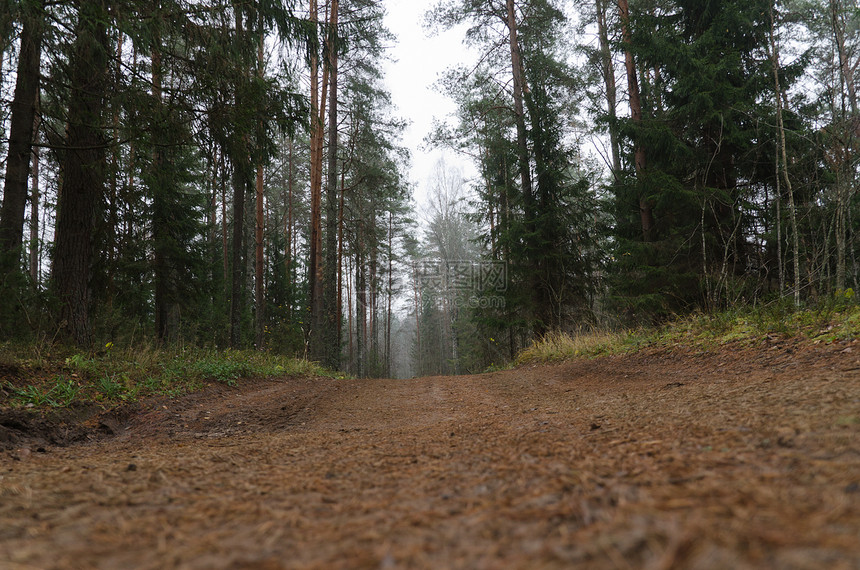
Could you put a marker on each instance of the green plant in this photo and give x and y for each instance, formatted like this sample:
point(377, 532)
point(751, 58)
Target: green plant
point(58, 395)
point(127, 373)
point(112, 389)
point(223, 370)
point(83, 365)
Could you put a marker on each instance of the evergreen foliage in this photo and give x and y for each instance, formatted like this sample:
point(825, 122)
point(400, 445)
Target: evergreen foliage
point(181, 173)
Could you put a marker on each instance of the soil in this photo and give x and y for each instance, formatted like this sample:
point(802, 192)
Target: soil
point(735, 458)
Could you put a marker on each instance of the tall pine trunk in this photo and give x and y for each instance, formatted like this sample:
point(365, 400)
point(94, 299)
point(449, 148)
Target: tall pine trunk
point(238, 259)
point(240, 174)
point(646, 214)
point(519, 111)
point(608, 71)
point(288, 230)
point(331, 336)
point(315, 275)
point(35, 203)
point(259, 263)
point(530, 204)
point(390, 295)
point(360, 312)
point(340, 221)
point(259, 273)
point(83, 171)
point(21, 141)
point(160, 229)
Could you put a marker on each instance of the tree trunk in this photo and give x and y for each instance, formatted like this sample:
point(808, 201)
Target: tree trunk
point(21, 141)
point(315, 276)
point(259, 263)
point(240, 160)
point(83, 171)
point(331, 337)
point(646, 214)
point(160, 229)
point(845, 68)
point(781, 129)
point(349, 319)
point(35, 202)
point(416, 290)
point(225, 234)
point(388, 312)
point(372, 341)
point(608, 71)
point(778, 199)
point(213, 253)
point(340, 220)
point(360, 313)
point(844, 171)
point(6, 37)
point(519, 112)
point(113, 205)
point(259, 289)
point(288, 230)
point(238, 274)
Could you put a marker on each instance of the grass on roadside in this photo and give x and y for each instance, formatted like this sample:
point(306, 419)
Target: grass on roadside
point(32, 379)
point(838, 318)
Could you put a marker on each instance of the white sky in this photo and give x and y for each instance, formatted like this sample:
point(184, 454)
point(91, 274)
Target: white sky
point(419, 61)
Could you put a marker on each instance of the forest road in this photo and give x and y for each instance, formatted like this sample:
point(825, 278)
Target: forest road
point(736, 458)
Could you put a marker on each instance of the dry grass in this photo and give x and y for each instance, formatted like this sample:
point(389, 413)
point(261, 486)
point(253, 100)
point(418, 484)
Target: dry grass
point(836, 319)
point(559, 346)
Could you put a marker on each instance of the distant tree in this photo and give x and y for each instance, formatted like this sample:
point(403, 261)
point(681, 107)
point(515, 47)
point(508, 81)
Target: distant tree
point(538, 227)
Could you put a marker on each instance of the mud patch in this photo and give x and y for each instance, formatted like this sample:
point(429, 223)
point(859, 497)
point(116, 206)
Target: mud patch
point(26, 428)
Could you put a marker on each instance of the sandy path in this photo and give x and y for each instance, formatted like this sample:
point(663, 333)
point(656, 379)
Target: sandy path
point(730, 460)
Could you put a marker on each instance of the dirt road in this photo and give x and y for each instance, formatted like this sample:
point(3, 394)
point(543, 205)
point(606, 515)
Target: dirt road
point(737, 459)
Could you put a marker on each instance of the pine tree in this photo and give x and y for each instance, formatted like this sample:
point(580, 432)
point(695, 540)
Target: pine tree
point(83, 170)
point(538, 226)
point(21, 137)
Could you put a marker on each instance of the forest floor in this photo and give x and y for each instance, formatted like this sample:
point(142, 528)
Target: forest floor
point(740, 457)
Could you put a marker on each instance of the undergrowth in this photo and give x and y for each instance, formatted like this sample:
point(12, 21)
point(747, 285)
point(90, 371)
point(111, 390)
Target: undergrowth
point(34, 378)
point(836, 319)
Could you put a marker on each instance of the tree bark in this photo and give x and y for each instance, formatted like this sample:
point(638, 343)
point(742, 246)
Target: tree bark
point(225, 233)
point(331, 349)
point(844, 171)
point(238, 274)
point(288, 230)
point(21, 141)
point(784, 154)
point(83, 171)
point(845, 67)
point(340, 220)
point(646, 213)
point(608, 70)
point(35, 203)
point(360, 311)
point(240, 174)
point(519, 112)
point(388, 311)
point(259, 288)
point(315, 276)
point(161, 268)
